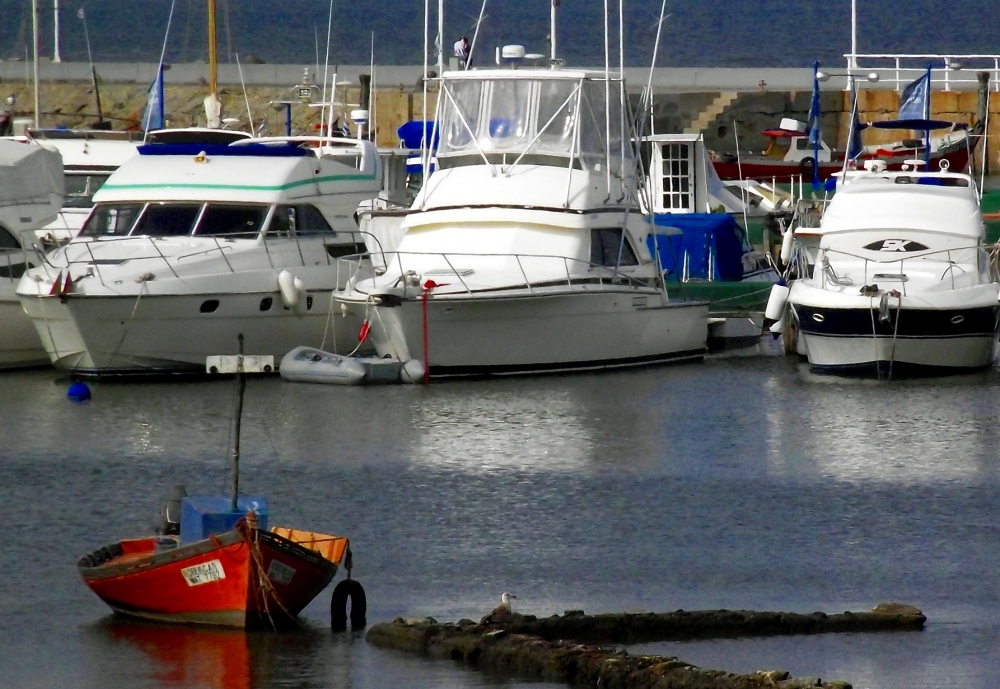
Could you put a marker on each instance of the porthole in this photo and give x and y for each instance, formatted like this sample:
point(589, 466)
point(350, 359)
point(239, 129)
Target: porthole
point(309, 303)
point(957, 319)
point(209, 306)
point(265, 304)
point(818, 317)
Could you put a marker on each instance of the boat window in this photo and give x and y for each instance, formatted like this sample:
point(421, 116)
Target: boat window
point(460, 116)
point(168, 220)
point(302, 220)
point(557, 110)
point(111, 220)
point(309, 220)
point(8, 240)
point(225, 220)
point(677, 177)
point(509, 114)
point(604, 247)
point(80, 190)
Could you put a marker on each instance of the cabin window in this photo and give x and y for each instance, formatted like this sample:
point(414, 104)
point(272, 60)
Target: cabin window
point(509, 114)
point(168, 220)
point(8, 240)
point(111, 220)
point(604, 248)
point(461, 114)
point(302, 220)
point(677, 182)
point(557, 109)
point(224, 220)
point(80, 189)
point(803, 144)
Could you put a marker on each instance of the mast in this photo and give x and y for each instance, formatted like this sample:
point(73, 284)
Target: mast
point(55, 16)
point(552, 29)
point(241, 385)
point(34, 41)
point(212, 56)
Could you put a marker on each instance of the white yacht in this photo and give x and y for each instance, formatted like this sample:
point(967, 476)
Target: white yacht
point(189, 245)
point(31, 193)
point(902, 281)
point(525, 250)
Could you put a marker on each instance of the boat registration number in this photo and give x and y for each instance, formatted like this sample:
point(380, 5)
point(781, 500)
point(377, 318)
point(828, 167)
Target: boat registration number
point(205, 573)
point(280, 573)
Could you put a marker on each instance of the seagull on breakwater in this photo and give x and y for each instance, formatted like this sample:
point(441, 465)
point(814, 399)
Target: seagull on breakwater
point(501, 613)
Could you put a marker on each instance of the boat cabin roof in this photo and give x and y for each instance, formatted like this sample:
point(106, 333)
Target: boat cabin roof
point(928, 201)
point(526, 73)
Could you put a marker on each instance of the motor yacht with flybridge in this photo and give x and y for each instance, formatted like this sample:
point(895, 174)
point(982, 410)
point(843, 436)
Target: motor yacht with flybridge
point(903, 281)
point(525, 249)
point(191, 244)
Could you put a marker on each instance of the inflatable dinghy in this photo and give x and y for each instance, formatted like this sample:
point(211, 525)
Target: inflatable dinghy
point(310, 365)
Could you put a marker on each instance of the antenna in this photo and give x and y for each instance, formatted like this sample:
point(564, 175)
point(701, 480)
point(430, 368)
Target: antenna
point(245, 97)
point(552, 30)
point(163, 52)
point(326, 64)
point(55, 17)
point(479, 22)
point(34, 40)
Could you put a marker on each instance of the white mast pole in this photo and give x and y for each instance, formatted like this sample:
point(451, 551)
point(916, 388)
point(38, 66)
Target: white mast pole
point(34, 40)
point(55, 14)
point(440, 38)
point(552, 28)
point(854, 34)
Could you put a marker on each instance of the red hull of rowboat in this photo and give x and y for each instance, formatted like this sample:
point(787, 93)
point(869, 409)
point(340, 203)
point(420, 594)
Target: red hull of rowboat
point(764, 170)
point(244, 577)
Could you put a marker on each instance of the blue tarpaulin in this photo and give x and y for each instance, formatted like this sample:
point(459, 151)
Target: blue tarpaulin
point(712, 243)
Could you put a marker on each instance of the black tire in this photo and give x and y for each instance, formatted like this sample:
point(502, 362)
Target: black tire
point(806, 165)
point(348, 588)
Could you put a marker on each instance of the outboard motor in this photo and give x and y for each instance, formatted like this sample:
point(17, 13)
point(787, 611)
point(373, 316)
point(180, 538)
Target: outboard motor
point(170, 514)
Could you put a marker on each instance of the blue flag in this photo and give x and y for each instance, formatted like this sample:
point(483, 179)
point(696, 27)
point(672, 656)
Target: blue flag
point(814, 126)
point(915, 101)
point(152, 116)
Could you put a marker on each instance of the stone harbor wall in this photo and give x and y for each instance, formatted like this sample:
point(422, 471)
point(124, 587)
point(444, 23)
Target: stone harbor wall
point(720, 115)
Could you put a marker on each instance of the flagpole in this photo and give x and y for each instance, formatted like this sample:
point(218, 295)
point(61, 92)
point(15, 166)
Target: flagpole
point(34, 40)
point(927, 116)
point(815, 133)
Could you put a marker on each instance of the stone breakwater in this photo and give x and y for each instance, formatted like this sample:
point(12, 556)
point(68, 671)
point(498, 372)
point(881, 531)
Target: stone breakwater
point(565, 648)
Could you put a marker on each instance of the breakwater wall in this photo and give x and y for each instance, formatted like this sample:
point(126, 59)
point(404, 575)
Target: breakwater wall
point(580, 649)
point(719, 103)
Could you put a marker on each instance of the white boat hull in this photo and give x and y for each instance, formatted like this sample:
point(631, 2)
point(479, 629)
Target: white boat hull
point(162, 334)
point(539, 332)
point(20, 346)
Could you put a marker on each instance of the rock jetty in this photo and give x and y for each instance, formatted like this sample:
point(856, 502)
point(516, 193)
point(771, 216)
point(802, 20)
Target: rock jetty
point(579, 649)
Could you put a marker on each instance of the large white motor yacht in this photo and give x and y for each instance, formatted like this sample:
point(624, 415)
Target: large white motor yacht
point(902, 281)
point(189, 245)
point(525, 250)
point(31, 193)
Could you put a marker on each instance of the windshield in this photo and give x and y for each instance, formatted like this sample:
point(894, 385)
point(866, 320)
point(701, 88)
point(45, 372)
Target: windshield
point(230, 220)
point(168, 219)
point(111, 220)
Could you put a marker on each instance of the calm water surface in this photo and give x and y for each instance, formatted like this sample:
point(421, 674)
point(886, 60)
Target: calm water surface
point(742, 482)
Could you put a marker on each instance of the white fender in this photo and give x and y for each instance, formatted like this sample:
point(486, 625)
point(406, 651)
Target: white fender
point(786, 246)
point(289, 293)
point(778, 326)
point(776, 303)
point(301, 303)
point(412, 371)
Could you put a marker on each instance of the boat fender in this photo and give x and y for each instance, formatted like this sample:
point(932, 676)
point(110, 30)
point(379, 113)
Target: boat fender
point(301, 300)
point(786, 246)
point(412, 371)
point(778, 326)
point(776, 302)
point(348, 588)
point(286, 285)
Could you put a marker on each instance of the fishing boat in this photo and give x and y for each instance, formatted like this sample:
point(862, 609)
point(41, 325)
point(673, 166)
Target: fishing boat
point(902, 282)
point(31, 194)
point(189, 244)
point(790, 156)
point(525, 249)
point(214, 561)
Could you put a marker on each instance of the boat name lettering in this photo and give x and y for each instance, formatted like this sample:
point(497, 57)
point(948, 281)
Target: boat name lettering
point(904, 245)
point(280, 573)
point(205, 573)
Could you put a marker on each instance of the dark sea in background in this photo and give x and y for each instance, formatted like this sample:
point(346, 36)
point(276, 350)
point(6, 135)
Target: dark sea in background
point(742, 482)
point(699, 33)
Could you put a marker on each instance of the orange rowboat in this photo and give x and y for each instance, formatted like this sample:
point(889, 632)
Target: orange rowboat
point(244, 577)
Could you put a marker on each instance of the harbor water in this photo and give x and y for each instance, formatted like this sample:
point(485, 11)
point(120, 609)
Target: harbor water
point(741, 482)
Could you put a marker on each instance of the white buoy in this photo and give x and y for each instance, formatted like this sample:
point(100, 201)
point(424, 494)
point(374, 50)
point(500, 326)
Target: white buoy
point(412, 371)
point(289, 294)
point(786, 246)
point(776, 302)
point(778, 326)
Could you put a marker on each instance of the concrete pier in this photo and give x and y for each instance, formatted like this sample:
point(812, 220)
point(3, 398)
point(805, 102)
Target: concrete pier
point(580, 649)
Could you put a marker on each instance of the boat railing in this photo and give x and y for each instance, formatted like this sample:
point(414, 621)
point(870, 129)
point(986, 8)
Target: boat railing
point(947, 256)
point(536, 272)
point(221, 244)
point(901, 69)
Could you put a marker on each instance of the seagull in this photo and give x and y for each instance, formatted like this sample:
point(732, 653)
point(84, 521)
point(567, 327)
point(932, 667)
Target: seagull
point(501, 613)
